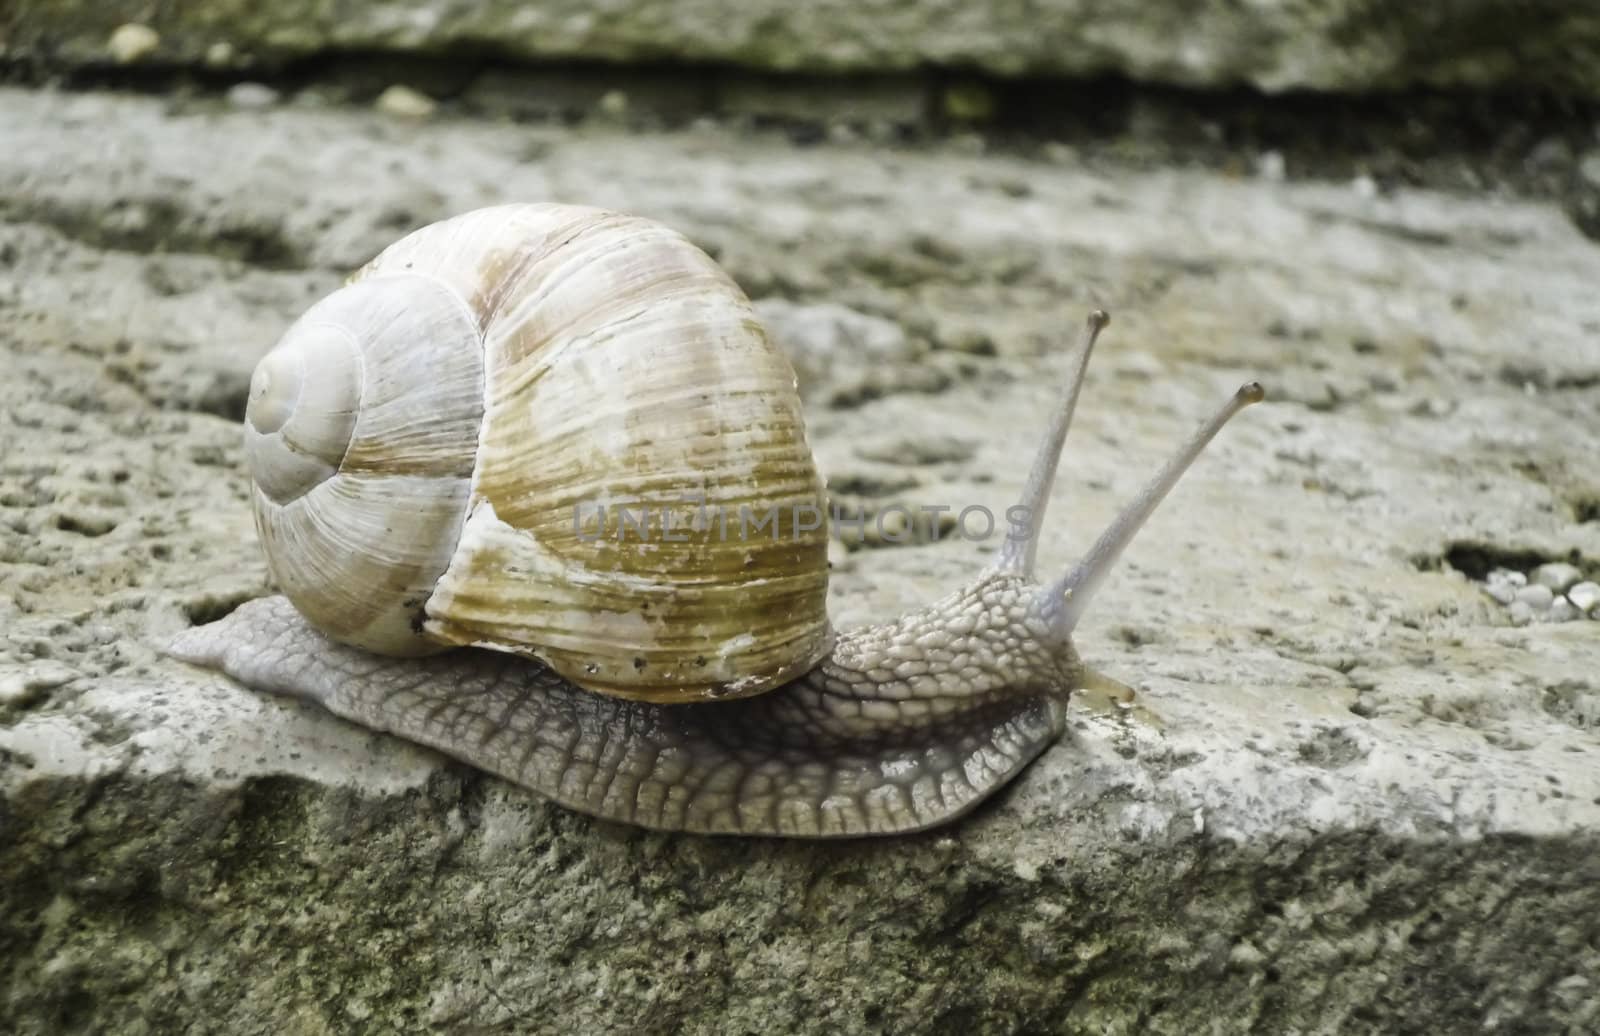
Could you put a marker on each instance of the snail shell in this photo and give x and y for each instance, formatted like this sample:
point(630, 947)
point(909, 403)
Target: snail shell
point(427, 442)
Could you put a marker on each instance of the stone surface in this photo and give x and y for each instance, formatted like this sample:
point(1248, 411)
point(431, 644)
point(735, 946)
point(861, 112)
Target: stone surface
point(1352, 797)
point(1344, 45)
point(840, 354)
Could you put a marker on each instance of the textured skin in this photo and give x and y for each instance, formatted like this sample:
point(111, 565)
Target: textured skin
point(904, 726)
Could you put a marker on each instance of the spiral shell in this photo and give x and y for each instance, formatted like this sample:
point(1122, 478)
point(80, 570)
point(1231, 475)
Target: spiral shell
point(432, 447)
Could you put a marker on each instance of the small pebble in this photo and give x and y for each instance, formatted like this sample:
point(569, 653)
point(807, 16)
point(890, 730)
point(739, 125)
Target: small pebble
point(405, 103)
point(132, 41)
point(1505, 593)
point(1271, 166)
point(1557, 575)
point(1589, 167)
point(968, 144)
point(1550, 155)
point(968, 102)
point(1432, 406)
point(1564, 610)
point(614, 104)
point(1585, 597)
point(1060, 154)
point(1521, 613)
point(1538, 597)
point(842, 133)
point(252, 96)
point(1508, 576)
point(219, 55)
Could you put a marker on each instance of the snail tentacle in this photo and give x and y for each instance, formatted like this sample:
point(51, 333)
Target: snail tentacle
point(1021, 547)
point(1068, 597)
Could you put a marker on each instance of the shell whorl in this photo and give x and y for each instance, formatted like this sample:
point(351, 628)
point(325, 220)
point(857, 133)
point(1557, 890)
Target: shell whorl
point(512, 366)
point(361, 432)
point(301, 413)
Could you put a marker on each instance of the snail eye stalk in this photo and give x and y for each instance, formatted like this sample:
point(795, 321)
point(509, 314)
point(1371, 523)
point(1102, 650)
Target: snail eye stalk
point(1067, 598)
point(1017, 554)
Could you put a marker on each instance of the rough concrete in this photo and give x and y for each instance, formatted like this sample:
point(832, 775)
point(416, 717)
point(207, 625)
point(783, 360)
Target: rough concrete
point(1345, 45)
point(1353, 797)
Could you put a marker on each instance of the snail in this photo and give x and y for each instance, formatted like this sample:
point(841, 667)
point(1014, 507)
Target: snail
point(422, 445)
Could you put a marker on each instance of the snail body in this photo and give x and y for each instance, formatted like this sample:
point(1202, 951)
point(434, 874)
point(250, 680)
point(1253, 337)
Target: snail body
point(420, 445)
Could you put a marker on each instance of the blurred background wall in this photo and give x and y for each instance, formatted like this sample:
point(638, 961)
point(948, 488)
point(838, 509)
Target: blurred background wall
point(1275, 45)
